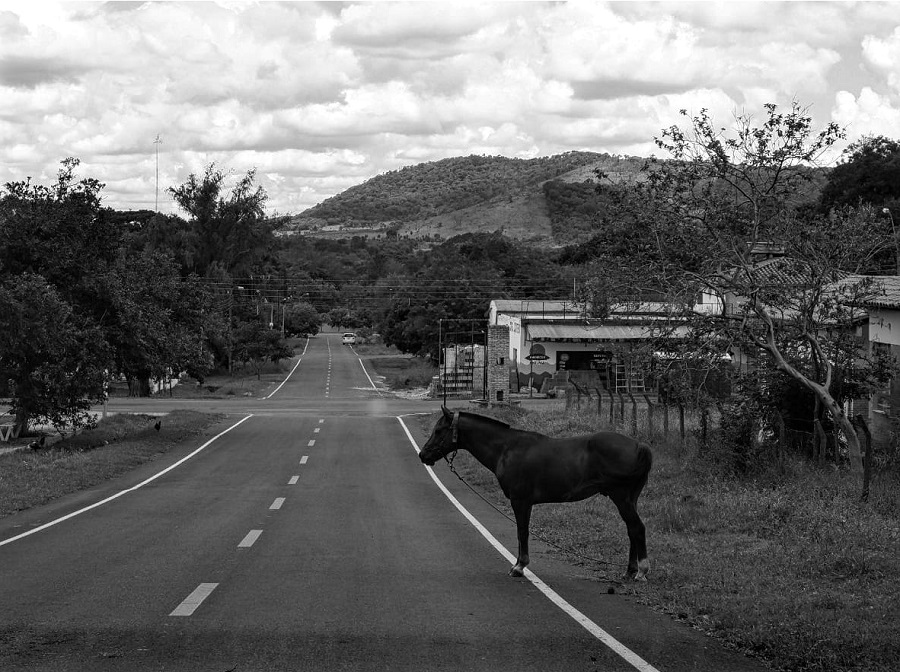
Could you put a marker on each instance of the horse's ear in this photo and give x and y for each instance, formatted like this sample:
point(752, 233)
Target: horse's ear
point(447, 413)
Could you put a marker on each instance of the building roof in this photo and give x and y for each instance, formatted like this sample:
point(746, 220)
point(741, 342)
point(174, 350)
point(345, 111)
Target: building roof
point(571, 310)
point(886, 292)
point(593, 332)
point(535, 307)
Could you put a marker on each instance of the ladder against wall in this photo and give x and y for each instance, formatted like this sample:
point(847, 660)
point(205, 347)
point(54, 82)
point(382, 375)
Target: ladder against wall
point(629, 378)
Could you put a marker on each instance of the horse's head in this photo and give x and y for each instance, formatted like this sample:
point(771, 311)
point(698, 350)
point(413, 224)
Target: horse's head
point(442, 440)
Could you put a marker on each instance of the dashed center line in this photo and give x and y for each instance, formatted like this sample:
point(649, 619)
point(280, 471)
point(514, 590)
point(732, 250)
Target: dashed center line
point(194, 600)
point(311, 443)
point(279, 501)
point(250, 539)
point(317, 430)
point(304, 459)
point(293, 480)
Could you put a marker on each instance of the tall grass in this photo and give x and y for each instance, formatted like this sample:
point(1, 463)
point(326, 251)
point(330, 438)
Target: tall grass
point(404, 373)
point(789, 566)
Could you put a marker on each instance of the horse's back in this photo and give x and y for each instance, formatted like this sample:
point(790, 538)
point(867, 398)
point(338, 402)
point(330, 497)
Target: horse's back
point(618, 454)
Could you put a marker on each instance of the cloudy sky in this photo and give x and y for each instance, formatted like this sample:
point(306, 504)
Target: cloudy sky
point(318, 97)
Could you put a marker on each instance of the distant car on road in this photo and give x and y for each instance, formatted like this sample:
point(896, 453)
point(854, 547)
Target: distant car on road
point(349, 338)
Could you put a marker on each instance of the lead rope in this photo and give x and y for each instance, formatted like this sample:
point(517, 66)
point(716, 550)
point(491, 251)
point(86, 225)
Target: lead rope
point(512, 520)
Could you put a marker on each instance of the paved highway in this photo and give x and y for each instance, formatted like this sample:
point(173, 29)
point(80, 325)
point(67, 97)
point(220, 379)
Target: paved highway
point(307, 535)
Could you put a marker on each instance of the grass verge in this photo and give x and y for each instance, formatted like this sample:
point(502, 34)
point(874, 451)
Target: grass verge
point(118, 444)
point(403, 373)
point(789, 567)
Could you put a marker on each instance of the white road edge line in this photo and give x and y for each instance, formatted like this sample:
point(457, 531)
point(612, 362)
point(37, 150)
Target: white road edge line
point(299, 359)
point(194, 600)
point(371, 382)
point(123, 492)
point(615, 645)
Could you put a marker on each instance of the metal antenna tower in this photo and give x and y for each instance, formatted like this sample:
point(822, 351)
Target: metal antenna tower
point(157, 142)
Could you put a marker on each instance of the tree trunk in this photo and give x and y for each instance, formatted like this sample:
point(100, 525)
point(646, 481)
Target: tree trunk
point(21, 424)
point(853, 444)
point(830, 404)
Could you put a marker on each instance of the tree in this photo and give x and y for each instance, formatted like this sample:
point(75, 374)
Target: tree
point(868, 173)
point(231, 232)
point(56, 245)
point(54, 359)
point(255, 343)
point(155, 321)
point(302, 318)
point(723, 197)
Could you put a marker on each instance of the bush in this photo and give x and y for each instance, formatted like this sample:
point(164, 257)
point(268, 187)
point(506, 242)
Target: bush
point(737, 448)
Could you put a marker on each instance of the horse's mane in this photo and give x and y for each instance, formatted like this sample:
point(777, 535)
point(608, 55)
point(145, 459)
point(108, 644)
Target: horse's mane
point(487, 418)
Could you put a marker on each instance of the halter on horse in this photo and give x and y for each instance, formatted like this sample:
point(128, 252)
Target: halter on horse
point(536, 469)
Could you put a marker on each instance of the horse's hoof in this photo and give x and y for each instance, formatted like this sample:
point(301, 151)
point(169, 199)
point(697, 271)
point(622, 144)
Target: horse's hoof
point(516, 572)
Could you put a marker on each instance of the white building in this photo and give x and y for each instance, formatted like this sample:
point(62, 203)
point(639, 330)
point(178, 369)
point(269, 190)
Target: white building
point(548, 337)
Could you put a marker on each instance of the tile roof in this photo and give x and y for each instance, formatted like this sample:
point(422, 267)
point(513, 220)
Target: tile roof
point(886, 291)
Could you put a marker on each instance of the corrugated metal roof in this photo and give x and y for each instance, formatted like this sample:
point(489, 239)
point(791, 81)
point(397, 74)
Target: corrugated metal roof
point(611, 332)
point(511, 306)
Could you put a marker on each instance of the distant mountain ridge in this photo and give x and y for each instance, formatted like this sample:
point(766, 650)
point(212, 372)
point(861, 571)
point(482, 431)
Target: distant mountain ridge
point(440, 199)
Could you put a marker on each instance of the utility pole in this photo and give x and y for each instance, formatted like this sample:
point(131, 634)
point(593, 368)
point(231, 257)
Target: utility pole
point(157, 142)
point(887, 211)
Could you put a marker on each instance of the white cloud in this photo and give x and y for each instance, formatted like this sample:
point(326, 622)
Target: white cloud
point(867, 114)
point(320, 96)
point(883, 55)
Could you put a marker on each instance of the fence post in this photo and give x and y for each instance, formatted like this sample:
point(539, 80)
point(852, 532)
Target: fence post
point(867, 456)
point(621, 408)
point(665, 408)
point(820, 442)
point(568, 397)
point(650, 409)
point(781, 444)
point(599, 401)
point(634, 412)
point(704, 427)
point(612, 409)
point(681, 421)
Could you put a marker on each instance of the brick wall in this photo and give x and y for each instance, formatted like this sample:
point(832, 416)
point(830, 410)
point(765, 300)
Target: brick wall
point(498, 367)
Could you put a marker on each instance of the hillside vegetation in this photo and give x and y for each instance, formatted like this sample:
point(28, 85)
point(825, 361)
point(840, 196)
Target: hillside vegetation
point(553, 201)
point(441, 199)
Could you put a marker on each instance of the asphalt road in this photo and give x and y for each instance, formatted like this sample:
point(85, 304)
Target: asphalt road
point(308, 536)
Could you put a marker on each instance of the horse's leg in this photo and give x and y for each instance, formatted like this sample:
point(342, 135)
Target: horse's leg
point(522, 509)
point(638, 564)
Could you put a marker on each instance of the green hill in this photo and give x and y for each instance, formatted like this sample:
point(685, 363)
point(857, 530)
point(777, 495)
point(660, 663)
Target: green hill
point(548, 200)
point(440, 199)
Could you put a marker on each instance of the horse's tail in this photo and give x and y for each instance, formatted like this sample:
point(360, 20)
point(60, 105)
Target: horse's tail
point(644, 460)
point(642, 468)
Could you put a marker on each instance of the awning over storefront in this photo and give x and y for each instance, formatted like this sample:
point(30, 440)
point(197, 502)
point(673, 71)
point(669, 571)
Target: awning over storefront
point(578, 333)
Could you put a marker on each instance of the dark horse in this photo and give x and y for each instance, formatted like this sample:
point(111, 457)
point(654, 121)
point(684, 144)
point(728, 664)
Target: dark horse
point(536, 469)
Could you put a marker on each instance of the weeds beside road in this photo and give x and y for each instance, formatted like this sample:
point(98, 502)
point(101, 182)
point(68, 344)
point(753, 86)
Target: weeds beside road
point(119, 443)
